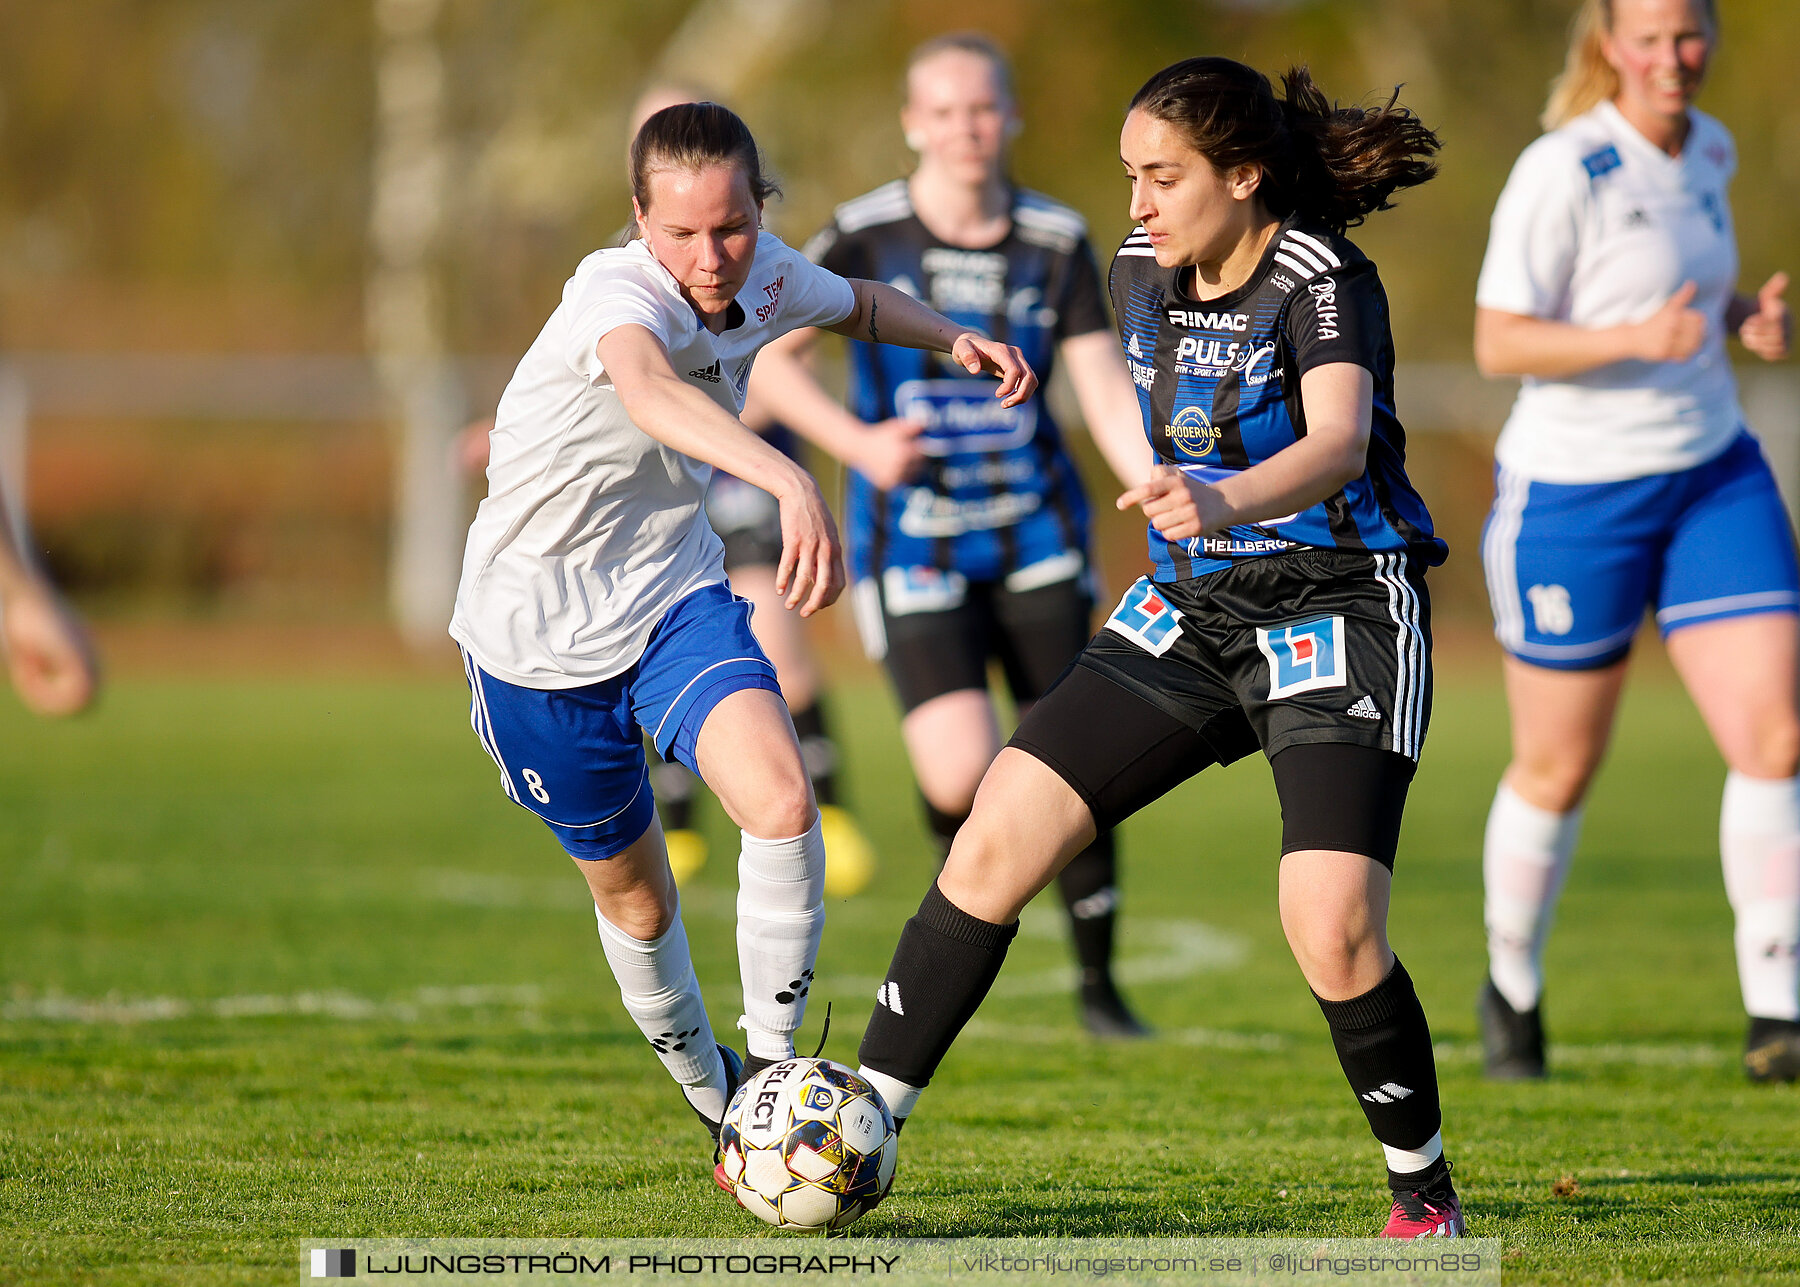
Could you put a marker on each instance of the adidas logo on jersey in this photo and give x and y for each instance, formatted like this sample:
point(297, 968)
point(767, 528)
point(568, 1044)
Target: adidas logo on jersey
point(1132, 348)
point(1390, 1092)
point(707, 373)
point(1364, 709)
point(888, 994)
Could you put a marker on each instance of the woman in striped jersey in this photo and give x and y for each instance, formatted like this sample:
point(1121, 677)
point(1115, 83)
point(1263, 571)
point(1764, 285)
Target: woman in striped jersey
point(1286, 608)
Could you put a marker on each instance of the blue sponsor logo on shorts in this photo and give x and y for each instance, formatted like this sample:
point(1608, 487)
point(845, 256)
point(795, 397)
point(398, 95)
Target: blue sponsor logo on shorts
point(1304, 656)
point(1146, 618)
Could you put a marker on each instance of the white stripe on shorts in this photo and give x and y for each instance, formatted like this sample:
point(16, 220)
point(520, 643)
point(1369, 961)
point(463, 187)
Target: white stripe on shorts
point(1409, 654)
point(483, 723)
point(1499, 560)
point(1731, 604)
point(729, 661)
point(865, 610)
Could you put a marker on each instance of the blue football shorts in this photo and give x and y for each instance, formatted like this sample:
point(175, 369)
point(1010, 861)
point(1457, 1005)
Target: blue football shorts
point(1572, 567)
point(575, 756)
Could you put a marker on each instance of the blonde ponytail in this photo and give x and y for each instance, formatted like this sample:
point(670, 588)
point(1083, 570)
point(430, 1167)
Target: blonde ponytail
point(1587, 79)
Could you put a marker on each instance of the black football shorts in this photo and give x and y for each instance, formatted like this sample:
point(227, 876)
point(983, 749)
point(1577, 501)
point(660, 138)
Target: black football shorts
point(936, 632)
point(1321, 658)
point(1314, 646)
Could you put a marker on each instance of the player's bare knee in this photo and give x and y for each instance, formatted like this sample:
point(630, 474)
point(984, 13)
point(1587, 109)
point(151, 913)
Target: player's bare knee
point(1772, 752)
point(645, 914)
point(981, 876)
point(1554, 783)
point(784, 814)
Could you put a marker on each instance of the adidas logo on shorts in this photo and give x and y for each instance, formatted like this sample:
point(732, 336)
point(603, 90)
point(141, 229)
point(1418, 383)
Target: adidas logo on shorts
point(1364, 709)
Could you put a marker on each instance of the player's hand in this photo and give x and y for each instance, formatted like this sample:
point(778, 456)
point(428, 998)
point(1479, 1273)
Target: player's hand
point(976, 353)
point(1770, 329)
point(1178, 507)
point(811, 571)
point(48, 653)
point(1674, 332)
point(890, 453)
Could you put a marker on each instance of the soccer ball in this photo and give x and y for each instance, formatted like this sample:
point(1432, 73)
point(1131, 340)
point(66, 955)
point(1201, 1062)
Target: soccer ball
point(807, 1144)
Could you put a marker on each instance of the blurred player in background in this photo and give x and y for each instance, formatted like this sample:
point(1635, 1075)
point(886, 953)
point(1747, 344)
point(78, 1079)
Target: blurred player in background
point(47, 651)
point(1286, 607)
point(1626, 478)
point(982, 554)
point(594, 610)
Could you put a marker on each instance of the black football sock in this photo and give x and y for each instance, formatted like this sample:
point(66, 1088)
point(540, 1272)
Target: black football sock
point(1091, 899)
point(818, 752)
point(944, 965)
point(1432, 1182)
point(674, 788)
point(943, 826)
point(1384, 1046)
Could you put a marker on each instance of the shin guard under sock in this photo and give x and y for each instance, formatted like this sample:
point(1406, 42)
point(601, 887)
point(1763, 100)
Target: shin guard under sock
point(1384, 1046)
point(944, 965)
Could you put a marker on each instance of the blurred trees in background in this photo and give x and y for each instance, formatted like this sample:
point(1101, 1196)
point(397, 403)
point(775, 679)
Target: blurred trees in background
point(194, 175)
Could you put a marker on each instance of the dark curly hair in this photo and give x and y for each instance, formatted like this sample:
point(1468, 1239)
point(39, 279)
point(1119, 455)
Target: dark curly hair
point(1334, 164)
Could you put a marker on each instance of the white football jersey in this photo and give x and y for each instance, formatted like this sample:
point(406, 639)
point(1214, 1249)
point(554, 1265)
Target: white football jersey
point(1597, 226)
point(592, 529)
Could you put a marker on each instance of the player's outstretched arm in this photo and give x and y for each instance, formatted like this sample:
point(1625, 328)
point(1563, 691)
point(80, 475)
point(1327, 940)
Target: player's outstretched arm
point(1514, 344)
point(1338, 400)
point(47, 651)
point(884, 315)
point(886, 453)
point(663, 405)
point(1109, 403)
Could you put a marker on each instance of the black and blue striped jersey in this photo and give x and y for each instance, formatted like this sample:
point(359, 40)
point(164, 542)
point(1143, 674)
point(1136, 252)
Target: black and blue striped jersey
point(999, 495)
point(1218, 383)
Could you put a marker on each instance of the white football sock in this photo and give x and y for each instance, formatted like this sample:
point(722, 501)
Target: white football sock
point(780, 916)
point(896, 1094)
point(657, 985)
point(1404, 1161)
point(1759, 843)
point(1523, 862)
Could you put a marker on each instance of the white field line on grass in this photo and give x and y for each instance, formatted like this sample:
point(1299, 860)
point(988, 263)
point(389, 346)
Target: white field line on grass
point(1643, 1053)
point(347, 1007)
point(114, 1009)
point(1155, 950)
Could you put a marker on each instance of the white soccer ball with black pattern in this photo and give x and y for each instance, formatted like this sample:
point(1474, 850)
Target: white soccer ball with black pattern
point(807, 1144)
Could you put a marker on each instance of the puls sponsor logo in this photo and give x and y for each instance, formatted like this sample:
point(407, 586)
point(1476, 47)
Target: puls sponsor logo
point(1198, 356)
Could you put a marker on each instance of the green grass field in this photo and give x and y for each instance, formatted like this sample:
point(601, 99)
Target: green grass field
point(279, 962)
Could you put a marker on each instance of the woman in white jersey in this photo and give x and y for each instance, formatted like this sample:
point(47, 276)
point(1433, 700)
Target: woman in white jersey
point(594, 603)
point(1627, 479)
